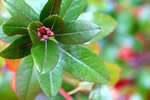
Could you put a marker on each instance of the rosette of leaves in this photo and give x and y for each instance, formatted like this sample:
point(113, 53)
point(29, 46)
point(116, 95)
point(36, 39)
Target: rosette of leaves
point(45, 59)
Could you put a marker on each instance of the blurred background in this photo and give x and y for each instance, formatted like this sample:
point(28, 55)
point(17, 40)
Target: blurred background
point(128, 46)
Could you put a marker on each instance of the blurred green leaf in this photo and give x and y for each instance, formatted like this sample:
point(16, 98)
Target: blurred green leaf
point(6, 93)
point(2, 20)
point(2, 63)
point(27, 86)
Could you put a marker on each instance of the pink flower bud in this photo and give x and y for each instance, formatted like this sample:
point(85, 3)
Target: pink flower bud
point(45, 37)
point(39, 34)
point(44, 33)
point(49, 33)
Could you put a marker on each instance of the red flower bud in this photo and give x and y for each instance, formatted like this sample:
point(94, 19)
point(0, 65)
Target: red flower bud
point(44, 33)
point(42, 30)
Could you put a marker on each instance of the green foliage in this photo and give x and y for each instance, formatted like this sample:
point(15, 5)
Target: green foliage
point(45, 55)
point(78, 32)
point(6, 38)
point(37, 5)
point(55, 23)
point(27, 86)
point(51, 82)
point(21, 9)
point(16, 25)
point(47, 59)
point(18, 49)
point(2, 20)
point(33, 29)
point(6, 93)
point(52, 7)
point(71, 9)
point(84, 64)
point(106, 23)
point(3, 36)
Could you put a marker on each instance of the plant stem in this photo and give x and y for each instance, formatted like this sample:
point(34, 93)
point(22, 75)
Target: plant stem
point(74, 91)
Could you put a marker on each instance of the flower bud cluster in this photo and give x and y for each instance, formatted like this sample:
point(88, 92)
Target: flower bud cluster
point(44, 33)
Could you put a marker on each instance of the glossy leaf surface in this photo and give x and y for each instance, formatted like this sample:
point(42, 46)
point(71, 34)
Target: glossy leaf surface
point(20, 8)
point(78, 32)
point(3, 36)
point(27, 86)
point(84, 64)
point(51, 82)
point(52, 7)
point(55, 23)
point(18, 49)
point(16, 25)
point(33, 31)
point(45, 55)
point(6, 38)
point(71, 9)
point(105, 22)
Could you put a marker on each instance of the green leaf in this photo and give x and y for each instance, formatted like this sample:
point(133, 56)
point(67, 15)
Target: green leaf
point(106, 23)
point(55, 23)
point(77, 32)
point(27, 86)
point(100, 92)
point(2, 20)
point(84, 64)
point(52, 7)
point(33, 30)
point(3, 36)
point(20, 8)
point(6, 38)
point(37, 5)
point(16, 25)
point(18, 49)
point(51, 82)
point(45, 55)
point(71, 9)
